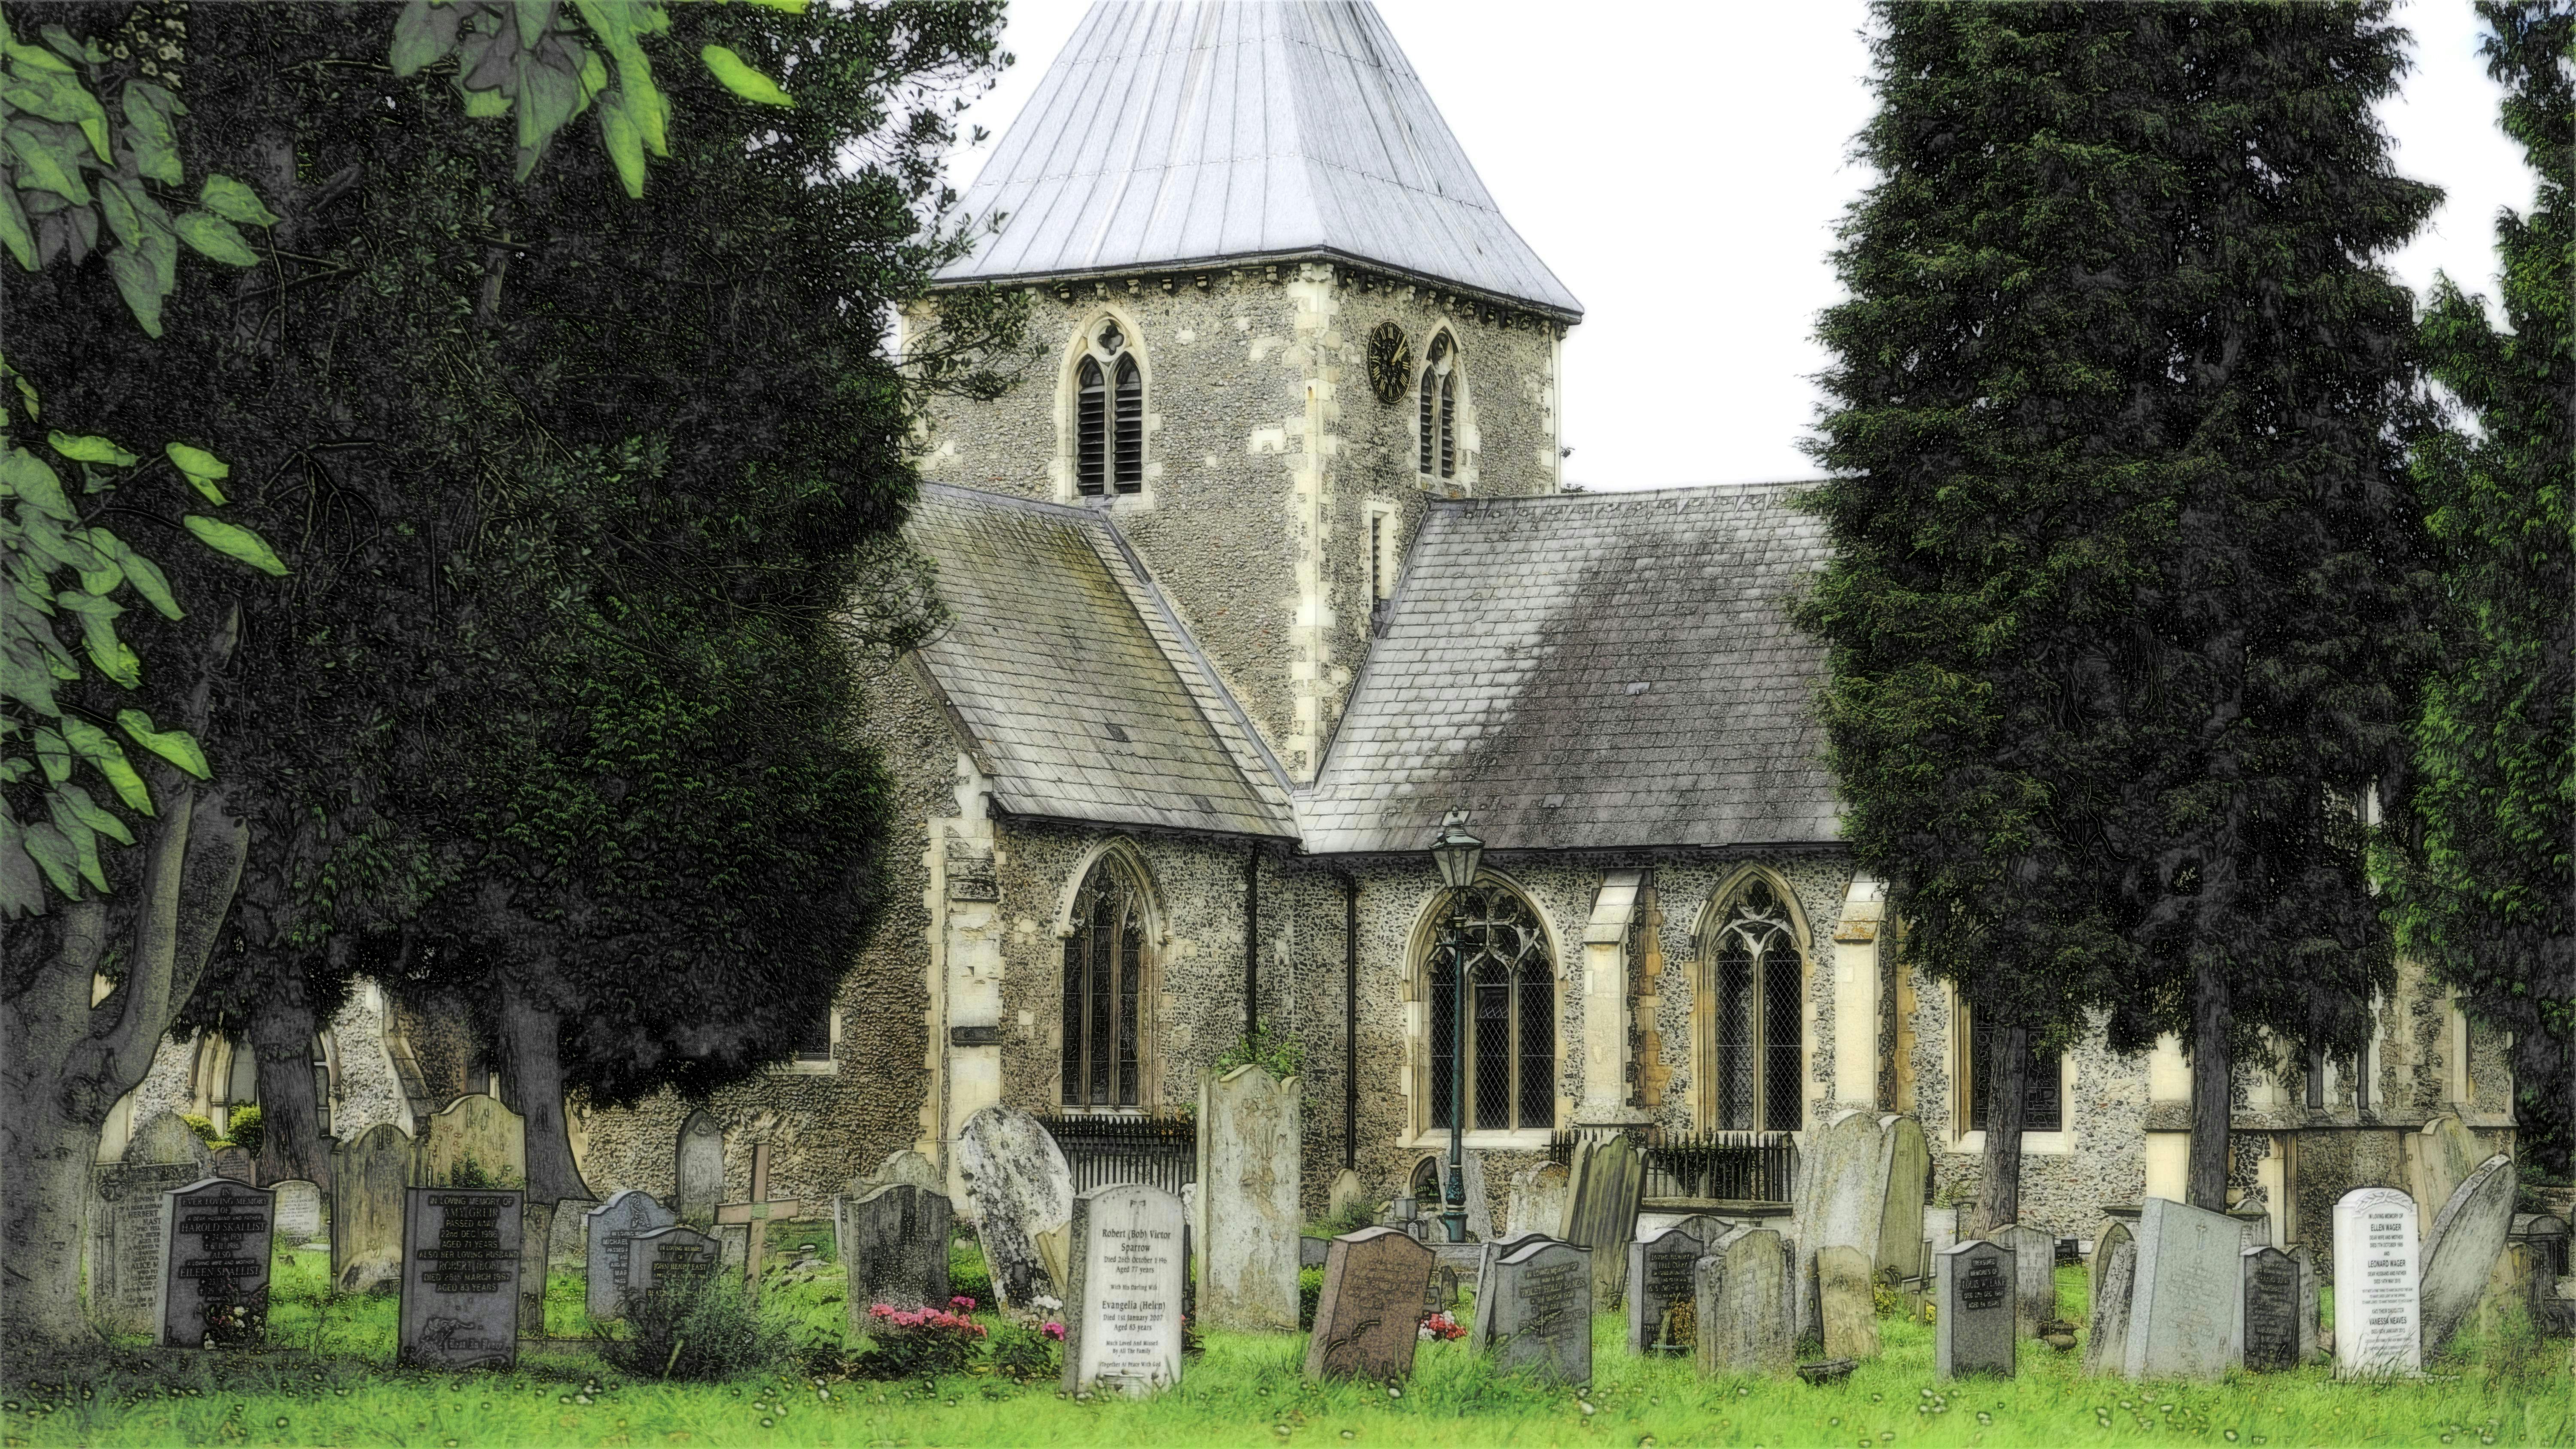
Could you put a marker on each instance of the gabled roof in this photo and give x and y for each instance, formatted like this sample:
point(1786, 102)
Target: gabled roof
point(1081, 696)
point(1590, 670)
point(1184, 133)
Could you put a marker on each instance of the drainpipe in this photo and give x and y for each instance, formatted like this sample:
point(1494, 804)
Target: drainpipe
point(1251, 941)
point(1351, 1022)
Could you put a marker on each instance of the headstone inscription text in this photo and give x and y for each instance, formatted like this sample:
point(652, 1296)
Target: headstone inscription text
point(1542, 1310)
point(460, 1281)
point(1123, 1306)
point(1972, 1322)
point(678, 1256)
point(2271, 1287)
point(2378, 1322)
point(1365, 1322)
point(1662, 1313)
point(125, 1244)
point(215, 1241)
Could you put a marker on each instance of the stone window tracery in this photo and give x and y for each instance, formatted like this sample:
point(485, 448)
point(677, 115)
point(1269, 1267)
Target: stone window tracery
point(1104, 970)
point(1108, 416)
point(1757, 978)
point(1511, 1010)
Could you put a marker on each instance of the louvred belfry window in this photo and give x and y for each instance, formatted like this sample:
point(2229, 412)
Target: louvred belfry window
point(1510, 1032)
point(1439, 405)
point(1104, 968)
point(1757, 978)
point(1108, 417)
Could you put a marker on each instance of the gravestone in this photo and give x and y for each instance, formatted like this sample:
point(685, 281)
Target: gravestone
point(1311, 1252)
point(1248, 1215)
point(1019, 1186)
point(1122, 1315)
point(2271, 1309)
point(2115, 1278)
point(460, 1277)
point(2438, 1159)
point(1487, 1255)
point(609, 1231)
point(2116, 1233)
point(1444, 1291)
point(698, 1167)
point(1542, 1312)
point(903, 1167)
point(1349, 1196)
point(215, 1244)
point(1907, 1170)
point(299, 1211)
point(1740, 1304)
point(1662, 1298)
point(1839, 1200)
point(1607, 1188)
point(474, 1141)
point(1843, 1296)
point(2035, 1271)
point(125, 1220)
point(894, 1249)
point(235, 1164)
point(368, 1178)
point(1940, 1231)
point(671, 1257)
point(1537, 1203)
point(2311, 1302)
point(1975, 1304)
point(2184, 1311)
point(2460, 1253)
point(2378, 1301)
point(1375, 1281)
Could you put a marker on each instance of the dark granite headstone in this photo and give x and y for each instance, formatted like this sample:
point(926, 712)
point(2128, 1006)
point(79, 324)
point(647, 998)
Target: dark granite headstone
point(611, 1228)
point(1367, 1319)
point(1542, 1312)
point(894, 1248)
point(214, 1265)
point(460, 1277)
point(2311, 1304)
point(1661, 1296)
point(2271, 1288)
point(1974, 1308)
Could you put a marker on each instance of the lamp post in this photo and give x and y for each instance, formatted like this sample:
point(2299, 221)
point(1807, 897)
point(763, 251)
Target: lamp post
point(1457, 853)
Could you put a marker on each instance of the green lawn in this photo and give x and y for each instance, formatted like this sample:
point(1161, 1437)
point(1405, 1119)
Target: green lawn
point(1245, 1390)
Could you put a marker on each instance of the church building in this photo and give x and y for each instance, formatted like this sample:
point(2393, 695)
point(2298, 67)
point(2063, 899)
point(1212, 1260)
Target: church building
point(1263, 572)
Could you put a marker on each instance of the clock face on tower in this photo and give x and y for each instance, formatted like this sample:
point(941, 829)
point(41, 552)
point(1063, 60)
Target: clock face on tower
point(1390, 361)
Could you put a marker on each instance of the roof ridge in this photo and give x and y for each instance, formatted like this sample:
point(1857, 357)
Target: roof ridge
point(1607, 495)
point(964, 494)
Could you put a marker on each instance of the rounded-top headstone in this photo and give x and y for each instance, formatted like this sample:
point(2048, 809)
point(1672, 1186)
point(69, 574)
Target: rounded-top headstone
point(698, 1168)
point(1020, 1188)
point(2460, 1254)
point(1122, 1324)
point(1365, 1322)
point(610, 1231)
point(2378, 1300)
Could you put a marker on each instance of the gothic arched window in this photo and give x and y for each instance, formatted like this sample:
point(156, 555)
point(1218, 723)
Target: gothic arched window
point(1108, 430)
point(1511, 1010)
point(1757, 974)
point(1439, 408)
point(1104, 972)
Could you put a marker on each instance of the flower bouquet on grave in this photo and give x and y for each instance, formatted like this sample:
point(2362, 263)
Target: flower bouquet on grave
point(1441, 1328)
point(914, 1343)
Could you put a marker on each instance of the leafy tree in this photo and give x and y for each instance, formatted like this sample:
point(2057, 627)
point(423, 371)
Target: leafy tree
point(2483, 894)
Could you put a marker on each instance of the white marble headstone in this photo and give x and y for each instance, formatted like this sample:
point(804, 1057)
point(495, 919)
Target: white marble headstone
point(1122, 1325)
point(2378, 1305)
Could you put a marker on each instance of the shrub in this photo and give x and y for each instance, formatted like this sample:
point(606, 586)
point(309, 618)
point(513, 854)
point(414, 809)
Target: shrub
point(247, 1128)
point(918, 1344)
point(1350, 1219)
point(204, 1127)
point(967, 1273)
point(1029, 1355)
point(1310, 1291)
point(698, 1331)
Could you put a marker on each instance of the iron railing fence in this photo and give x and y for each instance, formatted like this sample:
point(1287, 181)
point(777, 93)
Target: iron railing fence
point(1742, 1166)
point(1104, 1150)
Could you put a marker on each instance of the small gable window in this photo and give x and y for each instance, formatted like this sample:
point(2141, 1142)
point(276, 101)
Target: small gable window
point(1108, 416)
point(1439, 409)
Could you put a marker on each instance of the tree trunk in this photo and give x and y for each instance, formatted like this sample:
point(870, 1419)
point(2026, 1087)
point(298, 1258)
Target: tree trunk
point(281, 1037)
point(532, 1080)
point(2007, 1102)
point(2212, 1090)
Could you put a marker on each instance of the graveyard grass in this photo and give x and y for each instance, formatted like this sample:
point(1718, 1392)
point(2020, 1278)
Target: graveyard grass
point(325, 1381)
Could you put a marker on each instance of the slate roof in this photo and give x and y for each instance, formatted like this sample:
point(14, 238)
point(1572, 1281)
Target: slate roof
point(1180, 133)
point(1081, 696)
point(1589, 670)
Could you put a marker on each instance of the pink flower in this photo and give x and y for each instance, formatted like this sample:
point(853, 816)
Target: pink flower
point(962, 1304)
point(1055, 1331)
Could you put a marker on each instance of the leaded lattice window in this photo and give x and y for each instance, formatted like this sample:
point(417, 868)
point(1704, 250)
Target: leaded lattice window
point(1758, 979)
point(1104, 969)
point(2043, 1105)
point(1511, 1014)
point(1108, 417)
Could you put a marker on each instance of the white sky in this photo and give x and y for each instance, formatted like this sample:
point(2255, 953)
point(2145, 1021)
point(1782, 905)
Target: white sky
point(1681, 168)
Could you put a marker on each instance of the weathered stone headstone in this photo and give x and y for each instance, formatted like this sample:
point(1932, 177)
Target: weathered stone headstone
point(215, 1241)
point(1740, 1301)
point(299, 1211)
point(460, 1277)
point(2311, 1301)
point(2185, 1311)
point(1850, 1314)
point(2034, 1271)
point(1662, 1295)
point(368, 1177)
point(1601, 1203)
point(1542, 1312)
point(1122, 1313)
point(698, 1168)
point(1248, 1214)
point(2460, 1253)
point(1940, 1231)
point(2378, 1302)
point(1312, 1251)
point(1488, 1254)
point(2112, 1234)
point(1838, 1200)
point(2115, 1278)
point(1019, 1186)
point(1349, 1196)
point(233, 1163)
point(125, 1219)
point(2271, 1309)
point(894, 1248)
point(1907, 1170)
point(2438, 1159)
point(671, 1257)
point(610, 1231)
point(1444, 1290)
point(1480, 1204)
point(1365, 1322)
point(1537, 1202)
point(1975, 1305)
point(473, 1142)
point(903, 1167)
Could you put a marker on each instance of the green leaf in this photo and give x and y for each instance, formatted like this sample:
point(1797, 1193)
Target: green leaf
point(113, 656)
point(148, 132)
point(423, 33)
point(14, 230)
point(792, 7)
point(84, 840)
point(119, 207)
point(27, 476)
point(486, 105)
point(58, 96)
point(625, 142)
point(536, 17)
point(23, 681)
point(92, 814)
point(89, 449)
point(202, 468)
point(55, 854)
point(143, 573)
point(54, 755)
point(102, 751)
point(177, 746)
point(47, 165)
point(234, 201)
point(38, 58)
point(212, 236)
point(739, 78)
point(137, 285)
point(234, 541)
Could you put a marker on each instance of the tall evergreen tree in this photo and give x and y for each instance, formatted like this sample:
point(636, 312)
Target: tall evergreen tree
point(2121, 610)
point(2486, 897)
